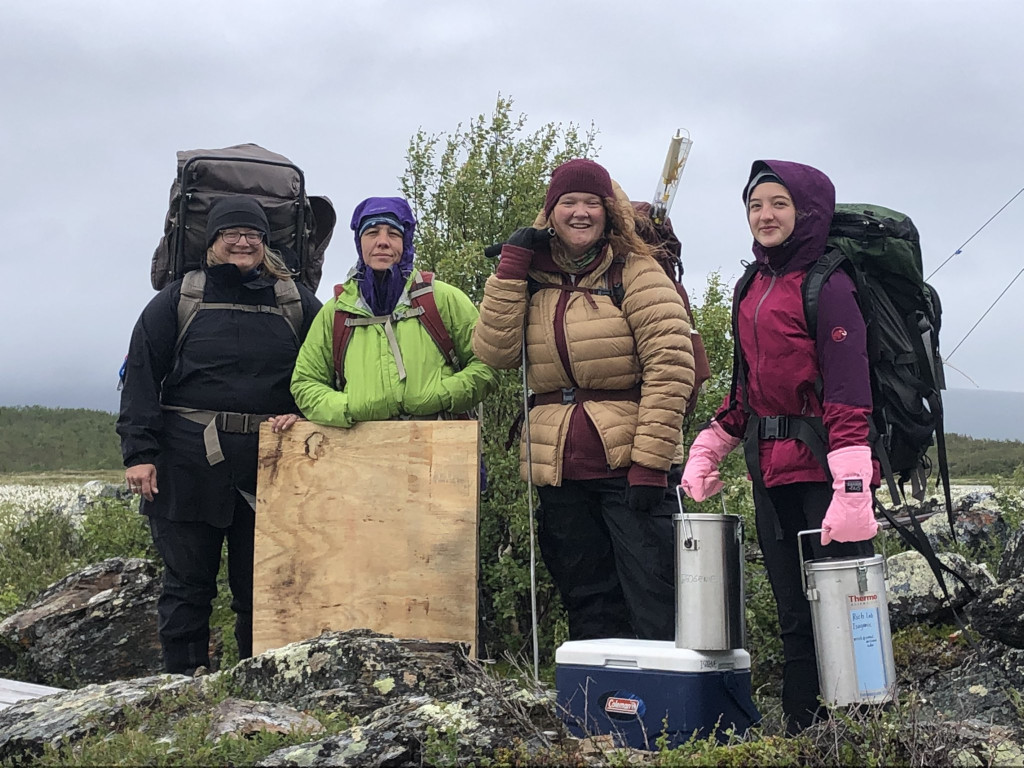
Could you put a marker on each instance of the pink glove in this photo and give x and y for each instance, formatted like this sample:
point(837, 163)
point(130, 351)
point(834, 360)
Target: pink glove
point(700, 476)
point(850, 516)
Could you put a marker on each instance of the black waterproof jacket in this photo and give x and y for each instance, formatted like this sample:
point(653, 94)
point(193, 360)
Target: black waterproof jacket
point(230, 360)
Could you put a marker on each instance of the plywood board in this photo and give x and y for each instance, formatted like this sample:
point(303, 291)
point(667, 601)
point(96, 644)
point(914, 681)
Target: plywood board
point(374, 526)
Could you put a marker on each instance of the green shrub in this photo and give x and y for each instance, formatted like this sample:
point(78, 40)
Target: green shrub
point(114, 528)
point(44, 545)
point(34, 553)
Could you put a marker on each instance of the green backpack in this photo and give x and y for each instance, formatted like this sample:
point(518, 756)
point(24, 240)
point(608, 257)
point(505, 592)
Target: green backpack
point(881, 251)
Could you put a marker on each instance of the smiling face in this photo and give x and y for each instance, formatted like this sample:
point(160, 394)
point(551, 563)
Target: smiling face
point(242, 253)
point(578, 219)
point(771, 214)
point(381, 246)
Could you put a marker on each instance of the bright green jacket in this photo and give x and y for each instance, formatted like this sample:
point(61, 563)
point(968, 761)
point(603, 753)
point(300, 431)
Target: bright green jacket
point(374, 390)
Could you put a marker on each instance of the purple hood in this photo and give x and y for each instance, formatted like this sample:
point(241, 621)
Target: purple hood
point(815, 200)
point(382, 290)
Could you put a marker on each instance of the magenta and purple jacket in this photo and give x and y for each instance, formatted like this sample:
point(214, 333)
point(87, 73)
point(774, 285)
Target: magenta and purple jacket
point(783, 364)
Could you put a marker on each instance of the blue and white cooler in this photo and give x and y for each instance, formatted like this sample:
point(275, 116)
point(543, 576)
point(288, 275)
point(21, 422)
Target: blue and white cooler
point(637, 690)
point(700, 684)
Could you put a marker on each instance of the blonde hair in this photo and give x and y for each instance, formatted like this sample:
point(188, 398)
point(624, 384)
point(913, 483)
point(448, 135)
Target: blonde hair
point(620, 228)
point(272, 263)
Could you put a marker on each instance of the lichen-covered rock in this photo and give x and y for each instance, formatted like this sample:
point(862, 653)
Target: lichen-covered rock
point(976, 690)
point(915, 595)
point(360, 666)
point(64, 718)
point(998, 613)
point(1010, 663)
point(978, 523)
point(427, 701)
point(986, 744)
point(94, 626)
point(1011, 563)
point(237, 718)
point(457, 729)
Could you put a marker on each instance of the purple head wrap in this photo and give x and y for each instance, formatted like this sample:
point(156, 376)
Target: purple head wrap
point(382, 290)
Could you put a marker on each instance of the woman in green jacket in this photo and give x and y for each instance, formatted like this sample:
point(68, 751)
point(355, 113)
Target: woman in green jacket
point(390, 366)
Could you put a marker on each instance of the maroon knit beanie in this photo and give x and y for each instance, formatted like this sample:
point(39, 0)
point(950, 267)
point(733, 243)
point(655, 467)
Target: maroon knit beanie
point(578, 176)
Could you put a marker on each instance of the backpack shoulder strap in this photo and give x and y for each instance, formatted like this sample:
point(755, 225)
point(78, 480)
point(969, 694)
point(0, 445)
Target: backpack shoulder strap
point(289, 301)
point(421, 294)
point(193, 286)
point(340, 339)
point(616, 288)
point(193, 290)
point(816, 277)
point(737, 354)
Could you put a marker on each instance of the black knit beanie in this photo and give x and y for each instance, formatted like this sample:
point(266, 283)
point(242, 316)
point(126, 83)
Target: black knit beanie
point(235, 211)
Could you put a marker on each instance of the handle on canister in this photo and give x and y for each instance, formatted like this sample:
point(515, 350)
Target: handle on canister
point(800, 554)
point(689, 542)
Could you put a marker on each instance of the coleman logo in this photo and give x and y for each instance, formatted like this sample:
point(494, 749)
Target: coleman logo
point(621, 706)
point(862, 598)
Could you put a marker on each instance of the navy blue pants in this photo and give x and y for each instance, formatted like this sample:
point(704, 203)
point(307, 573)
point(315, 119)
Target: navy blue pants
point(614, 568)
point(191, 553)
point(799, 507)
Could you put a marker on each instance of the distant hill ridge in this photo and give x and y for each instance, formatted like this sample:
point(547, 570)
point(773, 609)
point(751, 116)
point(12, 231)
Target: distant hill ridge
point(38, 439)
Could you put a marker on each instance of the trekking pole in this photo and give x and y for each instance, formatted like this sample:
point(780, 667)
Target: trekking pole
point(533, 538)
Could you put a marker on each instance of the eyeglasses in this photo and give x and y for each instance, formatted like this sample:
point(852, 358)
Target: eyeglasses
point(231, 237)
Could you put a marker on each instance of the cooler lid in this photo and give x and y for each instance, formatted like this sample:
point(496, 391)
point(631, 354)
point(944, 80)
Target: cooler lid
point(662, 655)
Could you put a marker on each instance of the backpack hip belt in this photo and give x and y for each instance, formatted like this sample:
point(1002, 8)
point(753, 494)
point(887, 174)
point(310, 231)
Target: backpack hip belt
point(574, 395)
point(219, 421)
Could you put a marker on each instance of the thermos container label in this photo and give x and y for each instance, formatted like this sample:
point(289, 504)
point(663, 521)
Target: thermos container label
point(867, 644)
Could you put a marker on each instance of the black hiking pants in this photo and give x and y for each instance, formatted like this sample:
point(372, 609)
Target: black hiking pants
point(799, 507)
point(191, 553)
point(614, 568)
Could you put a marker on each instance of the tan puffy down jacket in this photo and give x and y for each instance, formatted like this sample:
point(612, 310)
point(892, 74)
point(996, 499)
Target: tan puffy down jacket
point(645, 343)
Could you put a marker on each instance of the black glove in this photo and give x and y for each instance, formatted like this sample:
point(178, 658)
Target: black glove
point(529, 238)
point(644, 498)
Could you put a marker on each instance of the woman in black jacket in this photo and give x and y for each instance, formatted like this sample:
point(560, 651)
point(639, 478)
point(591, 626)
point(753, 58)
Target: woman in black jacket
point(210, 358)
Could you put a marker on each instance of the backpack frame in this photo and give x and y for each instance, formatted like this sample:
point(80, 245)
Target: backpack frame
point(300, 225)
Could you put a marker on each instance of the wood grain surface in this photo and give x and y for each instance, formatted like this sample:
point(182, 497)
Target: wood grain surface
point(374, 526)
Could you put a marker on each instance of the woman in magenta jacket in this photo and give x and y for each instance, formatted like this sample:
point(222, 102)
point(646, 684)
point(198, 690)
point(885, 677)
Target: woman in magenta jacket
point(782, 371)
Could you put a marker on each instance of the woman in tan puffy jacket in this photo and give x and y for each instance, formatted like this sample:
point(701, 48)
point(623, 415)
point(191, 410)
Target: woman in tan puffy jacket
point(610, 364)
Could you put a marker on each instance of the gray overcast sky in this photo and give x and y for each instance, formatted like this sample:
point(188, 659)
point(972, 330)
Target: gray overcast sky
point(915, 105)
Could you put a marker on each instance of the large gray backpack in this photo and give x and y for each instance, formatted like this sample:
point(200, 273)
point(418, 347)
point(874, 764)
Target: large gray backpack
point(300, 225)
